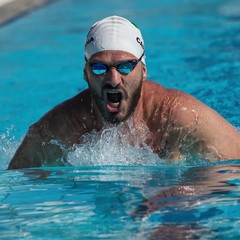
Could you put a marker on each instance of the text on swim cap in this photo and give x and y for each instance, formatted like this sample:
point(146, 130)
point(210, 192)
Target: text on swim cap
point(89, 40)
point(140, 42)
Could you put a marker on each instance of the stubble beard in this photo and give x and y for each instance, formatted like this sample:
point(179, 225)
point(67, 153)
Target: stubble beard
point(116, 118)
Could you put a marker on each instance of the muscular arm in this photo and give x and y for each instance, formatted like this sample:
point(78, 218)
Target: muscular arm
point(47, 141)
point(208, 135)
point(35, 150)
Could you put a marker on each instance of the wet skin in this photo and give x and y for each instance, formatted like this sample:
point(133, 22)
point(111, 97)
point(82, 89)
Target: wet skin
point(172, 123)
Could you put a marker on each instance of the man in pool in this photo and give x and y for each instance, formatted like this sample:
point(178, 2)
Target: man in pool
point(171, 123)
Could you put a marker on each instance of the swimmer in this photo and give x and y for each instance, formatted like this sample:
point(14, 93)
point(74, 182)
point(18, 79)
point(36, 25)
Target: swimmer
point(171, 123)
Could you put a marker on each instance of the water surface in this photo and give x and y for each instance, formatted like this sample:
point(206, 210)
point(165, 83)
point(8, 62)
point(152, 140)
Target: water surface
point(122, 193)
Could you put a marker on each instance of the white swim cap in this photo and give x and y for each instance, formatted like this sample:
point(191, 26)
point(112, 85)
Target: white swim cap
point(114, 33)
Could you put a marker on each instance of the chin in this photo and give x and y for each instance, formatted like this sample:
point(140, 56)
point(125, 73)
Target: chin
point(115, 118)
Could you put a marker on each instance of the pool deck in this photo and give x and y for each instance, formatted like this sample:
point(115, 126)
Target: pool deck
point(12, 9)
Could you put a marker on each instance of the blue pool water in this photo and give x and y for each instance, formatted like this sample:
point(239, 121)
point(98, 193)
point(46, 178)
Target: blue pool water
point(123, 193)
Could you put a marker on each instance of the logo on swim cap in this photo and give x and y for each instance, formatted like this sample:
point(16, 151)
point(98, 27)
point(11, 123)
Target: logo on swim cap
point(91, 39)
point(140, 42)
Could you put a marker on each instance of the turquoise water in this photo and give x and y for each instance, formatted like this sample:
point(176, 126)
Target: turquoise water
point(190, 45)
point(110, 203)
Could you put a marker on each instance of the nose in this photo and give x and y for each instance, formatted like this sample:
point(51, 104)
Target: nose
point(114, 77)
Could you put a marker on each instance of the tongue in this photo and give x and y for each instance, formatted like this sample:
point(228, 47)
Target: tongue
point(113, 108)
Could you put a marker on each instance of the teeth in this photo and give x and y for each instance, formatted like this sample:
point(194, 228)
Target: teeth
point(114, 104)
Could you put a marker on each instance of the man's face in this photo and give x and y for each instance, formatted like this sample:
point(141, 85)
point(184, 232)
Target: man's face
point(115, 94)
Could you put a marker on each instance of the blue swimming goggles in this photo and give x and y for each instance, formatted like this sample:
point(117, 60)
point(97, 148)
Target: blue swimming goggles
point(124, 68)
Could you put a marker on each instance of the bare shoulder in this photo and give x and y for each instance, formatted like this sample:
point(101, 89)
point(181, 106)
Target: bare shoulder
point(156, 91)
point(153, 87)
point(208, 133)
point(177, 105)
point(191, 121)
point(161, 101)
point(67, 117)
point(62, 125)
point(187, 111)
point(77, 104)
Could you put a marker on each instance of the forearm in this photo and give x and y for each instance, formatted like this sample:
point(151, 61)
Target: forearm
point(26, 156)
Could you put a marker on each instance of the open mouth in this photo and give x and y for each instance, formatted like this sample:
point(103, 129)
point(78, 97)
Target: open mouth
point(114, 99)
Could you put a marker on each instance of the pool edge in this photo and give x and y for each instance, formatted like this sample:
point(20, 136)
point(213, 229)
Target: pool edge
point(12, 10)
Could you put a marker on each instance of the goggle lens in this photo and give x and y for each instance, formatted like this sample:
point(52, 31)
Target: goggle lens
point(124, 68)
point(98, 68)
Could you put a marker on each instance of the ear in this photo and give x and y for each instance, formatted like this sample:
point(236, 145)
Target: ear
point(85, 74)
point(144, 69)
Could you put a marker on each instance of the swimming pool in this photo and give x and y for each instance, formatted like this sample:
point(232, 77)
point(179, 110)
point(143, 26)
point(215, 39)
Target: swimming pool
point(192, 46)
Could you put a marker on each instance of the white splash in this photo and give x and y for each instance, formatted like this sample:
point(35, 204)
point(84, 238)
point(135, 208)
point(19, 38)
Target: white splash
point(8, 146)
point(111, 147)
